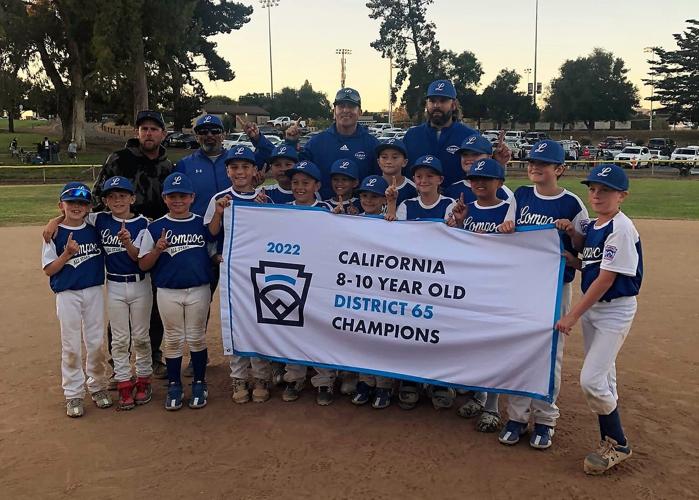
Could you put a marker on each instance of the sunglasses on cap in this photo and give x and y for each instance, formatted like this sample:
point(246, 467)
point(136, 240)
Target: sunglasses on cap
point(76, 194)
point(210, 131)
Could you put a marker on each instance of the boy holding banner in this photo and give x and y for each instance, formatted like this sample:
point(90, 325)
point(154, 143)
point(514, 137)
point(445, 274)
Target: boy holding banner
point(393, 158)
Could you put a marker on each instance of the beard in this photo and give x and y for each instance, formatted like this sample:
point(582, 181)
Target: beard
point(211, 149)
point(438, 118)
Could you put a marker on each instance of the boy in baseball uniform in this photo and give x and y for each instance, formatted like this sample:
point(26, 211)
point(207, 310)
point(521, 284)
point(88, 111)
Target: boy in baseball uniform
point(392, 158)
point(282, 159)
point(612, 271)
point(344, 179)
point(74, 261)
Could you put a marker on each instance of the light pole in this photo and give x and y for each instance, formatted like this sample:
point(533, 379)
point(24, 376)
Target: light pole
point(528, 72)
point(342, 53)
point(268, 4)
point(536, 41)
point(650, 50)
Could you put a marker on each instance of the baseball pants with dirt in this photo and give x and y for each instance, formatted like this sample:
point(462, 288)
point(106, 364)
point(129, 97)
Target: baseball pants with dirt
point(324, 377)
point(376, 381)
point(257, 367)
point(183, 312)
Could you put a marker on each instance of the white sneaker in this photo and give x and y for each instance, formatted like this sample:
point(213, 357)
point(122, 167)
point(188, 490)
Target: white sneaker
point(608, 455)
point(74, 407)
point(241, 392)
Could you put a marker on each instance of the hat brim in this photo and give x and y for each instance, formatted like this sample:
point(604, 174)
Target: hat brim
point(461, 151)
point(353, 177)
point(384, 146)
point(290, 173)
point(543, 160)
point(75, 198)
point(587, 182)
point(486, 176)
point(150, 118)
point(117, 188)
point(348, 101)
point(376, 192)
point(426, 165)
point(181, 191)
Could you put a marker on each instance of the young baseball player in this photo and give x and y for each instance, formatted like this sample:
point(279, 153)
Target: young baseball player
point(241, 168)
point(344, 179)
point(612, 271)
point(174, 249)
point(473, 149)
point(392, 158)
point(282, 159)
point(129, 294)
point(305, 183)
point(74, 262)
point(429, 204)
point(543, 203)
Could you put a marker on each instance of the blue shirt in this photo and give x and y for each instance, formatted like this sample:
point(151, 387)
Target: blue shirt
point(278, 195)
point(485, 219)
point(533, 209)
point(83, 270)
point(185, 262)
point(422, 140)
point(117, 259)
point(354, 201)
point(614, 246)
point(316, 204)
point(464, 187)
point(414, 209)
point(405, 191)
point(323, 149)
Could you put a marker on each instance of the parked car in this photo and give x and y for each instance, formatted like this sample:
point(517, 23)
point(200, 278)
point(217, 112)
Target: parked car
point(236, 139)
point(275, 140)
point(378, 128)
point(633, 156)
point(685, 154)
point(610, 141)
point(283, 122)
point(571, 149)
point(514, 135)
point(181, 140)
point(391, 135)
point(664, 145)
point(515, 147)
point(657, 154)
point(305, 138)
point(491, 135)
point(533, 137)
point(269, 131)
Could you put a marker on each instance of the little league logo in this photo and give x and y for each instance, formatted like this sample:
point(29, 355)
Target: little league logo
point(609, 252)
point(280, 292)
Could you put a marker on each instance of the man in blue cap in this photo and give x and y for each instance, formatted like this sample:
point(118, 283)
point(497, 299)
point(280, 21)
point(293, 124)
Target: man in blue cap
point(343, 139)
point(442, 133)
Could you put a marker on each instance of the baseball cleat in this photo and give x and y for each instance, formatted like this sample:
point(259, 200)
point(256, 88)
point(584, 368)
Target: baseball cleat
point(260, 391)
point(200, 394)
point(102, 399)
point(608, 455)
point(541, 438)
point(173, 400)
point(363, 394)
point(325, 395)
point(74, 407)
point(241, 392)
point(471, 408)
point(488, 422)
point(126, 401)
point(408, 395)
point(512, 432)
point(382, 398)
point(292, 391)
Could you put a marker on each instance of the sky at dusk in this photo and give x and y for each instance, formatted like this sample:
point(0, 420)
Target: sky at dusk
point(306, 33)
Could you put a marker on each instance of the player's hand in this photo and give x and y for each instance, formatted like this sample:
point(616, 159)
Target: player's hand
point(339, 208)
point(51, 228)
point(459, 212)
point(392, 190)
point(572, 260)
point(217, 259)
point(293, 133)
point(507, 227)
point(252, 131)
point(124, 235)
point(450, 221)
point(162, 244)
point(72, 246)
point(261, 197)
point(565, 225)
point(565, 324)
point(259, 178)
point(502, 153)
point(223, 203)
point(352, 210)
point(389, 217)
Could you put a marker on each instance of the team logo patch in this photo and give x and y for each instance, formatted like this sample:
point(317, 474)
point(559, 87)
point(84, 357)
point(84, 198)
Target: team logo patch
point(609, 252)
point(453, 148)
point(280, 292)
point(360, 155)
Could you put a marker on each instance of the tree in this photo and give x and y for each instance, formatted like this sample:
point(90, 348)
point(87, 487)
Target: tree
point(675, 75)
point(504, 104)
point(296, 103)
point(591, 88)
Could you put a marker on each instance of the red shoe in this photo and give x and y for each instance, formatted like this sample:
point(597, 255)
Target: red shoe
point(126, 401)
point(144, 392)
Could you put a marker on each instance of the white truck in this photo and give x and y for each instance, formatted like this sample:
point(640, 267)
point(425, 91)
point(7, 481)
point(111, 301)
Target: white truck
point(284, 122)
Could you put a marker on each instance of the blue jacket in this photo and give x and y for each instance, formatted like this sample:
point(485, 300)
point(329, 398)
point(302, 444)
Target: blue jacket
point(422, 140)
point(328, 146)
point(210, 177)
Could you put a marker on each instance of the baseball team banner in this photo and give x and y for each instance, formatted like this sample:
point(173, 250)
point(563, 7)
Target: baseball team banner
point(413, 300)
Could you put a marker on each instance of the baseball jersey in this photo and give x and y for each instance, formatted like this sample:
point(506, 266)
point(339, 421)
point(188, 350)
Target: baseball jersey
point(211, 209)
point(485, 219)
point(83, 270)
point(529, 208)
point(185, 262)
point(316, 204)
point(405, 191)
point(464, 187)
point(116, 258)
point(354, 201)
point(278, 195)
point(613, 246)
point(414, 209)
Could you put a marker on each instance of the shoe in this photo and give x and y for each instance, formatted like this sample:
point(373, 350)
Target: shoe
point(260, 391)
point(277, 374)
point(512, 432)
point(102, 399)
point(74, 407)
point(349, 383)
point(126, 401)
point(292, 391)
point(241, 393)
point(188, 370)
point(488, 422)
point(200, 393)
point(408, 395)
point(443, 397)
point(363, 394)
point(325, 395)
point(173, 400)
point(159, 369)
point(472, 408)
point(608, 455)
point(144, 390)
point(382, 398)
point(541, 437)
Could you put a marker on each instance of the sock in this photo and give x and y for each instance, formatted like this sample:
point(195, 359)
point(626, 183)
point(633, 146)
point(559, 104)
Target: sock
point(491, 402)
point(174, 366)
point(610, 425)
point(199, 364)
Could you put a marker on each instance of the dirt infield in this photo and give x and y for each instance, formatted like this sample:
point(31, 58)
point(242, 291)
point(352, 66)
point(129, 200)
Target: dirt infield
point(300, 450)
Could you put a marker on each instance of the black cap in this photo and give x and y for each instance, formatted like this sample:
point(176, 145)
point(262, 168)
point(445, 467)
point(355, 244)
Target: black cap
point(147, 114)
point(348, 95)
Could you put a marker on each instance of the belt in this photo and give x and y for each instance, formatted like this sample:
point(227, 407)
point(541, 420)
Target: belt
point(126, 278)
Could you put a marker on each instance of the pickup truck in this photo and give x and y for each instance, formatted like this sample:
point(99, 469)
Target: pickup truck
point(284, 122)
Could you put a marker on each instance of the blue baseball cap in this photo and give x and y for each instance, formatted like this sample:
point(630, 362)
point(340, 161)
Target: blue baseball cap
point(486, 168)
point(117, 182)
point(396, 144)
point(610, 175)
point(284, 151)
point(343, 166)
point(177, 183)
point(349, 95)
point(547, 151)
point(76, 191)
point(240, 153)
point(441, 88)
point(305, 167)
point(478, 144)
point(148, 114)
point(430, 161)
point(374, 184)
point(208, 121)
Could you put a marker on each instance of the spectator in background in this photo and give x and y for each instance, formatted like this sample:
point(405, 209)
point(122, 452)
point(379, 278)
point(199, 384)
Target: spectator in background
point(13, 147)
point(73, 151)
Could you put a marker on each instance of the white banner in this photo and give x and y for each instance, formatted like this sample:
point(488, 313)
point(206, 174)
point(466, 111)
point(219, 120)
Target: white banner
point(412, 300)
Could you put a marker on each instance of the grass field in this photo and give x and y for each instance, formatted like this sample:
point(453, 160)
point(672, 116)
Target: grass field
point(649, 198)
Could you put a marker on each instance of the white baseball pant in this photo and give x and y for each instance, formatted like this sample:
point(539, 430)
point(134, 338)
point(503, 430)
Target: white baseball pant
point(605, 327)
point(324, 377)
point(129, 307)
point(257, 367)
point(376, 381)
point(183, 312)
point(519, 408)
point(81, 316)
